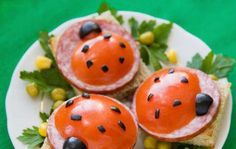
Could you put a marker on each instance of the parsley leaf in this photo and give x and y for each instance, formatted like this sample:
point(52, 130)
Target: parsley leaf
point(196, 62)
point(105, 7)
point(218, 65)
point(162, 32)
point(146, 26)
point(47, 79)
point(134, 27)
point(44, 116)
point(31, 138)
point(154, 54)
point(44, 42)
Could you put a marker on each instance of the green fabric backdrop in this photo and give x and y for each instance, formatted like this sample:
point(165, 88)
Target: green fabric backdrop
point(21, 20)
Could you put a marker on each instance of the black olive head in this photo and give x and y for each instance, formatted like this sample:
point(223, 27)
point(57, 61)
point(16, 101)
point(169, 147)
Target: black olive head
point(203, 103)
point(89, 27)
point(74, 143)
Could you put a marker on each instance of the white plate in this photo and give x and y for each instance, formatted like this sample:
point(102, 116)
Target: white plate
point(22, 111)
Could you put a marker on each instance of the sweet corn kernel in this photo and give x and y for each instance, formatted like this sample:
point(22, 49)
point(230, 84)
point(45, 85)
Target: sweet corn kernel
point(213, 77)
point(163, 145)
point(150, 142)
point(43, 62)
point(32, 89)
point(58, 94)
point(171, 54)
point(57, 104)
point(147, 38)
point(43, 129)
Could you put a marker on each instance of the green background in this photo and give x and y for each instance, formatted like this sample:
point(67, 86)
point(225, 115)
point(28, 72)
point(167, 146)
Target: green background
point(21, 20)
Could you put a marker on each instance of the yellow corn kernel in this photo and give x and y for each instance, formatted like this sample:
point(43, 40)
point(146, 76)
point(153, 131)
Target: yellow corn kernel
point(147, 38)
point(43, 129)
point(58, 94)
point(150, 142)
point(213, 77)
point(32, 89)
point(171, 54)
point(163, 145)
point(57, 104)
point(42, 62)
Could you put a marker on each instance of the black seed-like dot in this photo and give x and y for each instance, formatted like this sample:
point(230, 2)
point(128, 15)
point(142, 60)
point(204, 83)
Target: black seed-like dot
point(157, 79)
point(171, 70)
point(101, 129)
point(107, 36)
point(157, 113)
point(74, 143)
point(85, 49)
point(76, 117)
point(176, 103)
point(150, 96)
point(115, 109)
point(69, 103)
point(89, 63)
point(85, 95)
point(121, 60)
point(122, 125)
point(105, 68)
point(122, 45)
point(184, 79)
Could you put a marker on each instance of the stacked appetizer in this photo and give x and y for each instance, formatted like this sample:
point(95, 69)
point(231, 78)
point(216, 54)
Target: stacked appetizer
point(174, 106)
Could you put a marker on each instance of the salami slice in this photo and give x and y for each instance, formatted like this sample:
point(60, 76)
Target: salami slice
point(103, 58)
point(92, 121)
point(176, 104)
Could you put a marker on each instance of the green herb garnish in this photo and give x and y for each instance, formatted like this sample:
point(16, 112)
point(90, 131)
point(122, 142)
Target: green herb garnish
point(153, 54)
point(44, 116)
point(31, 138)
point(215, 64)
point(51, 78)
point(105, 7)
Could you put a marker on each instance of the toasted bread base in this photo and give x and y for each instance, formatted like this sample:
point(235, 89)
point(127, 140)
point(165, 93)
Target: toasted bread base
point(208, 137)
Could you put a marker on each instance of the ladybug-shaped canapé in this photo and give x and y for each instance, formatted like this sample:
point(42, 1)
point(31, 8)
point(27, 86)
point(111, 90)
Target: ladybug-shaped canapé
point(175, 104)
point(97, 56)
point(92, 121)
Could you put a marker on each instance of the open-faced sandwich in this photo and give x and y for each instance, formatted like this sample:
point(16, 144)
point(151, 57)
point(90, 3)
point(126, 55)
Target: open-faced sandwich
point(98, 59)
point(99, 55)
point(91, 121)
point(181, 105)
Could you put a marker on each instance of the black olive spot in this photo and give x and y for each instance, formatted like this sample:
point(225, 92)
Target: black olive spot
point(171, 70)
point(150, 96)
point(69, 102)
point(157, 79)
point(89, 63)
point(101, 129)
point(184, 79)
point(85, 95)
point(76, 117)
point(89, 27)
point(122, 125)
point(85, 49)
point(121, 60)
point(203, 103)
point(105, 68)
point(107, 36)
point(176, 103)
point(157, 113)
point(122, 45)
point(115, 109)
point(74, 143)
